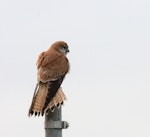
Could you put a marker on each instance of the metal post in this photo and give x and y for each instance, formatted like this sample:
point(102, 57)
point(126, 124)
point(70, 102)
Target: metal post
point(53, 124)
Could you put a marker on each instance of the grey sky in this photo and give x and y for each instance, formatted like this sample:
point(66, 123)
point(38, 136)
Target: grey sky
point(108, 86)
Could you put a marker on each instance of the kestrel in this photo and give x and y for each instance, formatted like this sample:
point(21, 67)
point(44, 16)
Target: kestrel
point(52, 66)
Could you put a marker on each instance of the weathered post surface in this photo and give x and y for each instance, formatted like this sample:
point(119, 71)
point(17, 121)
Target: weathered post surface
point(53, 124)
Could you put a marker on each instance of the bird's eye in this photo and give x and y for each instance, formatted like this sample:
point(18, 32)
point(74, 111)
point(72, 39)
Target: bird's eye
point(64, 47)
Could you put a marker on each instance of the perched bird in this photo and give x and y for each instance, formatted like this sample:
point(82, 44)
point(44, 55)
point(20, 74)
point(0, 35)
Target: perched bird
point(52, 66)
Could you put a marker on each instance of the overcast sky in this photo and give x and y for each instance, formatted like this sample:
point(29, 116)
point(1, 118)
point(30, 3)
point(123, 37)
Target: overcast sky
point(108, 87)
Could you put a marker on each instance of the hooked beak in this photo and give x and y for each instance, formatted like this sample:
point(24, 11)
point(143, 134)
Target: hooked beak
point(68, 50)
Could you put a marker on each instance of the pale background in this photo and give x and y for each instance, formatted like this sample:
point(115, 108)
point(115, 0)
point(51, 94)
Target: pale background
point(108, 87)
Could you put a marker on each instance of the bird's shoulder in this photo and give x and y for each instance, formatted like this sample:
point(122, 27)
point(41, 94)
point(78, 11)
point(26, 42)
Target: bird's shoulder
point(51, 57)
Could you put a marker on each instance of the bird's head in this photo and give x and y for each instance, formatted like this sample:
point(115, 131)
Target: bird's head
point(61, 46)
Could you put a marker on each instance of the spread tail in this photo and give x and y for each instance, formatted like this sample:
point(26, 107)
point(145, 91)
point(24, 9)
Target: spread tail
point(39, 98)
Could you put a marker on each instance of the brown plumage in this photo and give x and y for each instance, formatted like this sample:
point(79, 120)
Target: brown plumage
point(52, 67)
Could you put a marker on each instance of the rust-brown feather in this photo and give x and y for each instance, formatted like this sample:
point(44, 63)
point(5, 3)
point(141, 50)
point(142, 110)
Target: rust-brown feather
point(39, 98)
point(57, 101)
point(52, 67)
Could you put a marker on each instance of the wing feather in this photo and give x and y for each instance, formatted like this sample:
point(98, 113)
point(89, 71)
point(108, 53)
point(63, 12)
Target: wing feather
point(52, 90)
point(52, 66)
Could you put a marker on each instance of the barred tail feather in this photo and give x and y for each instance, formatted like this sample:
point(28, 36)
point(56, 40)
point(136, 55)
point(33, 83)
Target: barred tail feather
point(38, 99)
point(57, 101)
